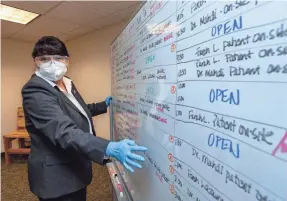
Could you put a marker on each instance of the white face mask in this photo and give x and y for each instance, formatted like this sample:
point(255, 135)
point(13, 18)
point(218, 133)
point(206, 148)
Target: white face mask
point(53, 70)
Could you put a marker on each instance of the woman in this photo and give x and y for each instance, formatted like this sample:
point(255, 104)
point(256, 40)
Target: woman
point(63, 139)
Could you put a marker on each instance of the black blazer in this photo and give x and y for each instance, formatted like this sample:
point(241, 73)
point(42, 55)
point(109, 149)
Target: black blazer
point(61, 146)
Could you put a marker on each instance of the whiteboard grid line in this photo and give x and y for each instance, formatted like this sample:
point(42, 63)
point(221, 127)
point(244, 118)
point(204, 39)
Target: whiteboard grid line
point(177, 25)
point(235, 117)
point(156, 66)
point(252, 48)
point(180, 192)
point(153, 83)
point(153, 107)
point(162, 147)
point(191, 184)
point(214, 130)
point(143, 26)
point(248, 120)
point(147, 18)
point(262, 25)
point(151, 39)
point(209, 57)
point(143, 22)
point(152, 17)
point(197, 12)
point(208, 112)
point(177, 9)
point(155, 49)
point(146, 33)
point(216, 158)
point(213, 156)
point(146, 119)
point(149, 97)
point(148, 52)
point(203, 178)
point(224, 21)
point(156, 110)
point(196, 33)
point(176, 13)
point(145, 43)
point(198, 80)
point(270, 191)
point(175, 105)
point(159, 143)
point(168, 134)
point(258, 149)
point(248, 81)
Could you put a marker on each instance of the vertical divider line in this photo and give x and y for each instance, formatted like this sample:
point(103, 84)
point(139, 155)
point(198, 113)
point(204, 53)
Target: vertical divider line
point(176, 11)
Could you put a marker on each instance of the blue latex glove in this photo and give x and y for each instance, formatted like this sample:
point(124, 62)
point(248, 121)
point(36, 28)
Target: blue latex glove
point(108, 100)
point(122, 151)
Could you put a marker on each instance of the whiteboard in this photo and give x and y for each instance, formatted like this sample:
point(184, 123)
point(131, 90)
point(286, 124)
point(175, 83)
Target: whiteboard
point(202, 84)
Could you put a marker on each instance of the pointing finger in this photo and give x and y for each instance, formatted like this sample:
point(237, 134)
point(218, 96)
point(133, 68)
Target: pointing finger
point(138, 148)
point(129, 161)
point(128, 167)
point(135, 157)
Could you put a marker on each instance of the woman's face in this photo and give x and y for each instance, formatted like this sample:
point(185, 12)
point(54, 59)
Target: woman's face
point(49, 58)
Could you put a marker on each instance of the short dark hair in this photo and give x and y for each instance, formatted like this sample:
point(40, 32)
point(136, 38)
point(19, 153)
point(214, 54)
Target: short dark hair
point(49, 45)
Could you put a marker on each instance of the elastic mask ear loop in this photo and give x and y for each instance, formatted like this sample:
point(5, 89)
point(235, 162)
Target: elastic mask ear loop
point(37, 67)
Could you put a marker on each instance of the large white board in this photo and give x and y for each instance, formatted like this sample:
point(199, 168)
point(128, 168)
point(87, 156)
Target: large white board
point(203, 85)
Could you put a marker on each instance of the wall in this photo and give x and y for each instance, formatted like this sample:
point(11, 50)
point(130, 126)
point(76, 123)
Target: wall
point(90, 69)
point(17, 67)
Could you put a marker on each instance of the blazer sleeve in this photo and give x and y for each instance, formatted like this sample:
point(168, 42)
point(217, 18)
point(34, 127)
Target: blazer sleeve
point(97, 108)
point(42, 108)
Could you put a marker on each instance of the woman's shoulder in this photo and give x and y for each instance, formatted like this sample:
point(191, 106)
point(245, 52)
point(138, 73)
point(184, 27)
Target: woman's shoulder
point(36, 83)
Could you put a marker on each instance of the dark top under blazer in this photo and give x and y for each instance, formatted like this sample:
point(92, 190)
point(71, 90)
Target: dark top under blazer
point(62, 147)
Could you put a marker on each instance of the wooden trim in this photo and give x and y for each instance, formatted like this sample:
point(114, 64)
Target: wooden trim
point(19, 151)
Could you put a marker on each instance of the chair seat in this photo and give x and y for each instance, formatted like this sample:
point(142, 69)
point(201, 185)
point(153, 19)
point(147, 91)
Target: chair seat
point(17, 134)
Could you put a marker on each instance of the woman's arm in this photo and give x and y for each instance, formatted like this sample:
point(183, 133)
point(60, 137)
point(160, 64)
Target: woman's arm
point(97, 108)
point(43, 110)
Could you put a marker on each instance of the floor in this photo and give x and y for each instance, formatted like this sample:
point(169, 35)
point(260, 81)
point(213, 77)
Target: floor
point(14, 183)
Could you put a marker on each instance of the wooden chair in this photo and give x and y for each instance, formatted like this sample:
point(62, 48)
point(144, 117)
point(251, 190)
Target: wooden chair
point(21, 134)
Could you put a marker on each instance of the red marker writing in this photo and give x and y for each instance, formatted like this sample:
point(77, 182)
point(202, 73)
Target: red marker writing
point(119, 185)
point(282, 145)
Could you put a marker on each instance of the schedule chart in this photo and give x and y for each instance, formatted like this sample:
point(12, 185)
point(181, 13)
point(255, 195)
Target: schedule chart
point(203, 85)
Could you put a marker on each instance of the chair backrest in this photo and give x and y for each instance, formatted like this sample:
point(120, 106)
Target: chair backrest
point(21, 120)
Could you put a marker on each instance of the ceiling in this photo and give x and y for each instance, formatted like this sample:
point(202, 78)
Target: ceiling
point(67, 19)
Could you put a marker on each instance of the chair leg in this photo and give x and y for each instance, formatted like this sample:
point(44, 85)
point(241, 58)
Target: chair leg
point(7, 145)
point(21, 142)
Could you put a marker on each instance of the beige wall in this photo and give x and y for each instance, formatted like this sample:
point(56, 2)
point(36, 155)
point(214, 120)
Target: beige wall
point(17, 67)
point(89, 69)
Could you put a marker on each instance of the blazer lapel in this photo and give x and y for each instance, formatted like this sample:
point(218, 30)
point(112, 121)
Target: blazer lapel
point(81, 101)
point(62, 95)
point(67, 100)
point(84, 105)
